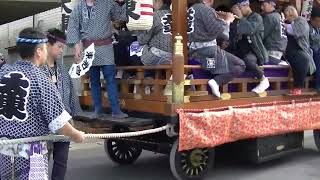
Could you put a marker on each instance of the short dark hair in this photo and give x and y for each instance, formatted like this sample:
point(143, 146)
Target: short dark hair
point(287, 6)
point(27, 50)
point(55, 35)
point(315, 12)
point(223, 8)
point(192, 2)
point(167, 2)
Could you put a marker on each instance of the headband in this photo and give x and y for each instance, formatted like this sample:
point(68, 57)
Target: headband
point(244, 3)
point(56, 38)
point(32, 41)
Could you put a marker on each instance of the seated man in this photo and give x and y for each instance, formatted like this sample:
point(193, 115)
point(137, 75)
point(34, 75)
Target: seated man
point(299, 53)
point(204, 29)
point(275, 39)
point(157, 41)
point(315, 42)
point(251, 49)
point(233, 36)
point(122, 40)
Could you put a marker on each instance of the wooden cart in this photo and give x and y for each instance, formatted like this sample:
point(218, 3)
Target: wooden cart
point(157, 108)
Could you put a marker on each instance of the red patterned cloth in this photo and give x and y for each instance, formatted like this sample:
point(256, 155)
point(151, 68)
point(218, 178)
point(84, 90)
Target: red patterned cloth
point(212, 128)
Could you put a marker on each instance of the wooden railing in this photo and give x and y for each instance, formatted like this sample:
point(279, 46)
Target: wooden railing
point(195, 89)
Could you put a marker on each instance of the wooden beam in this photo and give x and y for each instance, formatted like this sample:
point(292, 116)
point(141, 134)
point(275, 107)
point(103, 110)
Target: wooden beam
point(237, 102)
point(179, 34)
point(179, 24)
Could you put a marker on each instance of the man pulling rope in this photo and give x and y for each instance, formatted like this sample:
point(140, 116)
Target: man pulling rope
point(30, 106)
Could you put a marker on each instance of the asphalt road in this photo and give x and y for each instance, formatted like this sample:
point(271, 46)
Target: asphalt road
point(89, 162)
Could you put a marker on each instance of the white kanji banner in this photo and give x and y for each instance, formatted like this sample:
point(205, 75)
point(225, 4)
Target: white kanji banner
point(78, 70)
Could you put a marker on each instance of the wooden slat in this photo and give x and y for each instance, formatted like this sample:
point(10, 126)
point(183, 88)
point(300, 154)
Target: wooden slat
point(196, 81)
point(203, 87)
point(126, 96)
point(203, 98)
point(156, 87)
point(86, 93)
point(155, 97)
point(135, 105)
point(238, 95)
point(154, 81)
point(273, 85)
point(225, 88)
point(168, 73)
point(205, 81)
point(140, 89)
point(186, 99)
point(196, 93)
point(86, 86)
point(124, 88)
point(235, 102)
point(130, 81)
point(278, 86)
point(244, 87)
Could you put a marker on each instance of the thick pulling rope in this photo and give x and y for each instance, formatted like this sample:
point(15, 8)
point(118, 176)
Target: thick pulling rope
point(56, 138)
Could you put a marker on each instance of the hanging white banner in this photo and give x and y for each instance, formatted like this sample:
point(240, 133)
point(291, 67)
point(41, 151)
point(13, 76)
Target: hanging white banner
point(78, 70)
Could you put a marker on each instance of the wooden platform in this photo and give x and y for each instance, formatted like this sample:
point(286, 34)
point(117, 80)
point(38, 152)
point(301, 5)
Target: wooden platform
point(107, 124)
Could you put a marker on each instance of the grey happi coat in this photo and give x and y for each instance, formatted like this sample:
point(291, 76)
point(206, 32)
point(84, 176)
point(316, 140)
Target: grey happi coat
point(301, 32)
point(205, 26)
point(252, 27)
point(158, 39)
point(314, 38)
point(66, 89)
point(275, 38)
point(95, 24)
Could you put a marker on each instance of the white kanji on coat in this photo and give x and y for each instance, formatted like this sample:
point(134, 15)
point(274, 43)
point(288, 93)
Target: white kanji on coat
point(211, 63)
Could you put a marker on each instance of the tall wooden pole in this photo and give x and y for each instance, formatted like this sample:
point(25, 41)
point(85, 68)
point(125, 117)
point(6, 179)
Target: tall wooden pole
point(179, 34)
point(179, 23)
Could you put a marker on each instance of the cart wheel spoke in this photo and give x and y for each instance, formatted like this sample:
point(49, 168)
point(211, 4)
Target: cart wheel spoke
point(190, 165)
point(121, 152)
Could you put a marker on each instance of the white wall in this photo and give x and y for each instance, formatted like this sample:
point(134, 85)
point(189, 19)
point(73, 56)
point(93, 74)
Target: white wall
point(48, 19)
point(43, 21)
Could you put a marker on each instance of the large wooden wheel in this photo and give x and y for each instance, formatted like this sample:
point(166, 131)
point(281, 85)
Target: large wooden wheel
point(121, 152)
point(190, 165)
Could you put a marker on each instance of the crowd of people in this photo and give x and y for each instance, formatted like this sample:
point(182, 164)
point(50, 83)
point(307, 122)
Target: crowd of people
point(231, 40)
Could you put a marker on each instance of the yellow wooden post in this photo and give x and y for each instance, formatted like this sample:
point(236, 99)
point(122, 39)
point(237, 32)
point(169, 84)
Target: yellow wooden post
point(178, 72)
